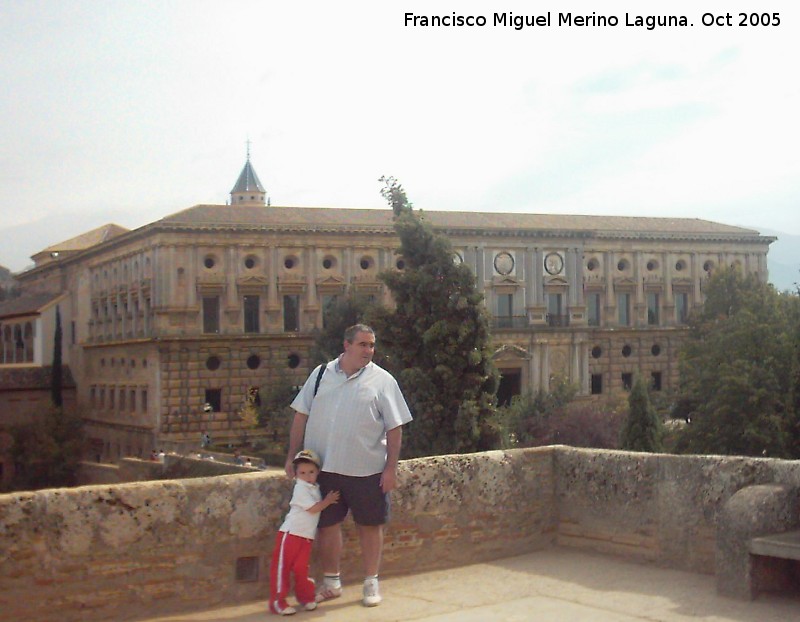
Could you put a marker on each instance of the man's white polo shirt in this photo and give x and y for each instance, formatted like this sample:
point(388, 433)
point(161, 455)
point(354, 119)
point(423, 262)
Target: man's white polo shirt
point(349, 417)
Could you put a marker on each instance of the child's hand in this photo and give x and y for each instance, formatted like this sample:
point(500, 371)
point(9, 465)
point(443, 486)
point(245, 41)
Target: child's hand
point(332, 497)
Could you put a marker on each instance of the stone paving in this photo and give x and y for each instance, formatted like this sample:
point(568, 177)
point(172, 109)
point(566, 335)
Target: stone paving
point(556, 584)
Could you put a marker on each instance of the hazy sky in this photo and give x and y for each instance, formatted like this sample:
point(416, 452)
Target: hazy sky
point(125, 111)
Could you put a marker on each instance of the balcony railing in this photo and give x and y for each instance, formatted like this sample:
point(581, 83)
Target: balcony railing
point(554, 319)
point(510, 321)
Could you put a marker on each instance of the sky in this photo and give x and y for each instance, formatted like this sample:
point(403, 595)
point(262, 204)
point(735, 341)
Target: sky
point(125, 112)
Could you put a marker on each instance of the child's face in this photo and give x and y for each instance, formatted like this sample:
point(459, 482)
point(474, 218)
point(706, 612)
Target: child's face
point(307, 472)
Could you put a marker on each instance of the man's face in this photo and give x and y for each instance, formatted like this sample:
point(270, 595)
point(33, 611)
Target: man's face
point(360, 352)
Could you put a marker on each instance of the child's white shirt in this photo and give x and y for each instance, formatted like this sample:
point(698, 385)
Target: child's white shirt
point(299, 521)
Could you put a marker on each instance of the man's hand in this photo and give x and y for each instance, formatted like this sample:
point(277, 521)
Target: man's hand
point(388, 479)
point(289, 467)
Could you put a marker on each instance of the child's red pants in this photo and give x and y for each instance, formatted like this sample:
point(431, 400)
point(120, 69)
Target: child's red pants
point(290, 556)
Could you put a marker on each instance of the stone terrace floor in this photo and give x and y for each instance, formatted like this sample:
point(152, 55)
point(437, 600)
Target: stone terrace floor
point(556, 584)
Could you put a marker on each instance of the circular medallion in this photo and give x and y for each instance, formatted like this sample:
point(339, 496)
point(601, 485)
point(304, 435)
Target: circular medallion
point(504, 263)
point(553, 263)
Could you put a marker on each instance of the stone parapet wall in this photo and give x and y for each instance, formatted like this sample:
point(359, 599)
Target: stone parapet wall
point(154, 547)
point(655, 507)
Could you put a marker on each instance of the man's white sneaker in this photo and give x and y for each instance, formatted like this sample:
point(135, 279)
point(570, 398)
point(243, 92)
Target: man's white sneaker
point(310, 606)
point(372, 596)
point(326, 592)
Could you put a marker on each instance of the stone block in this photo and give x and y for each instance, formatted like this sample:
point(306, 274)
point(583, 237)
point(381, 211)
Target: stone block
point(753, 511)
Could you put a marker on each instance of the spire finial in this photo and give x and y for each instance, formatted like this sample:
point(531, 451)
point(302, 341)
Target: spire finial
point(248, 149)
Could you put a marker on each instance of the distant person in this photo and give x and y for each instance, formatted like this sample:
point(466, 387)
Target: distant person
point(351, 413)
point(205, 440)
point(294, 538)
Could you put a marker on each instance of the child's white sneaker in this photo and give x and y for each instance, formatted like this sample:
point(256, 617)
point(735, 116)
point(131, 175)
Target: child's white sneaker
point(310, 606)
point(372, 596)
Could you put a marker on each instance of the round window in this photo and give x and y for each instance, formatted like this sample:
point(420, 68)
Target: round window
point(289, 263)
point(213, 363)
point(622, 265)
point(592, 265)
point(327, 263)
point(626, 351)
point(655, 350)
point(294, 360)
point(365, 263)
point(209, 262)
point(597, 352)
point(253, 361)
point(401, 264)
point(680, 265)
point(250, 262)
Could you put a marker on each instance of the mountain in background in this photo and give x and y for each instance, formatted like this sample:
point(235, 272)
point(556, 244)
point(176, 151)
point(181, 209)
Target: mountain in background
point(783, 260)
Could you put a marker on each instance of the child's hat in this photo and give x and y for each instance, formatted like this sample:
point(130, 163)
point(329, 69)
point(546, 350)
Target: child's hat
point(307, 455)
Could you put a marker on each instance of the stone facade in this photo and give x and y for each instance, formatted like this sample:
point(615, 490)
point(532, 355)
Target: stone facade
point(178, 545)
point(212, 302)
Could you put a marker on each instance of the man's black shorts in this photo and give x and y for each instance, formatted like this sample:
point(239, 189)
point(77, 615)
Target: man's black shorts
point(361, 495)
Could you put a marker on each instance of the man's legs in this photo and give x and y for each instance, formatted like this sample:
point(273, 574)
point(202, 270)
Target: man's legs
point(371, 538)
point(330, 550)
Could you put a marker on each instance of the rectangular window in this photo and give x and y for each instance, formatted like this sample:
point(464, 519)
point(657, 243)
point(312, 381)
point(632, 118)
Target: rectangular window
point(291, 313)
point(214, 397)
point(652, 309)
point(144, 400)
point(682, 307)
point(328, 305)
point(593, 309)
point(505, 310)
point(555, 310)
point(597, 384)
point(627, 381)
point(122, 398)
point(656, 380)
point(132, 406)
point(72, 333)
point(211, 314)
point(624, 309)
point(112, 396)
point(251, 314)
point(93, 397)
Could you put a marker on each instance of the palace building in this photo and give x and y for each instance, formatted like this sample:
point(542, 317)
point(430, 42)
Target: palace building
point(210, 304)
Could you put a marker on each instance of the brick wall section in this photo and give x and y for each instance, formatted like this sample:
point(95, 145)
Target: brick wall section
point(164, 546)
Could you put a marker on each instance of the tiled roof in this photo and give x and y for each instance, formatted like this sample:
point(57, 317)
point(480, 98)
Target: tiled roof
point(26, 304)
point(88, 239)
point(344, 218)
point(248, 180)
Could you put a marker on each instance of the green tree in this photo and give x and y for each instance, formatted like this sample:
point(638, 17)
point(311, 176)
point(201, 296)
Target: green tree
point(57, 374)
point(47, 452)
point(737, 370)
point(529, 421)
point(436, 340)
point(643, 430)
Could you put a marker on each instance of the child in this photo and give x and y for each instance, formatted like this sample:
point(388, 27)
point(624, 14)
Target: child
point(295, 536)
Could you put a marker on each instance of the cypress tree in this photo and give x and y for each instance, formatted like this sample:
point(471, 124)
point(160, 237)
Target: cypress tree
point(643, 430)
point(436, 340)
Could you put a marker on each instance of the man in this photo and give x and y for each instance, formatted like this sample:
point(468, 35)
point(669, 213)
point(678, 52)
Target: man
point(351, 413)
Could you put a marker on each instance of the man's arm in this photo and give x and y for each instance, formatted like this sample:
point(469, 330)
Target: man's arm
point(296, 434)
point(394, 440)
